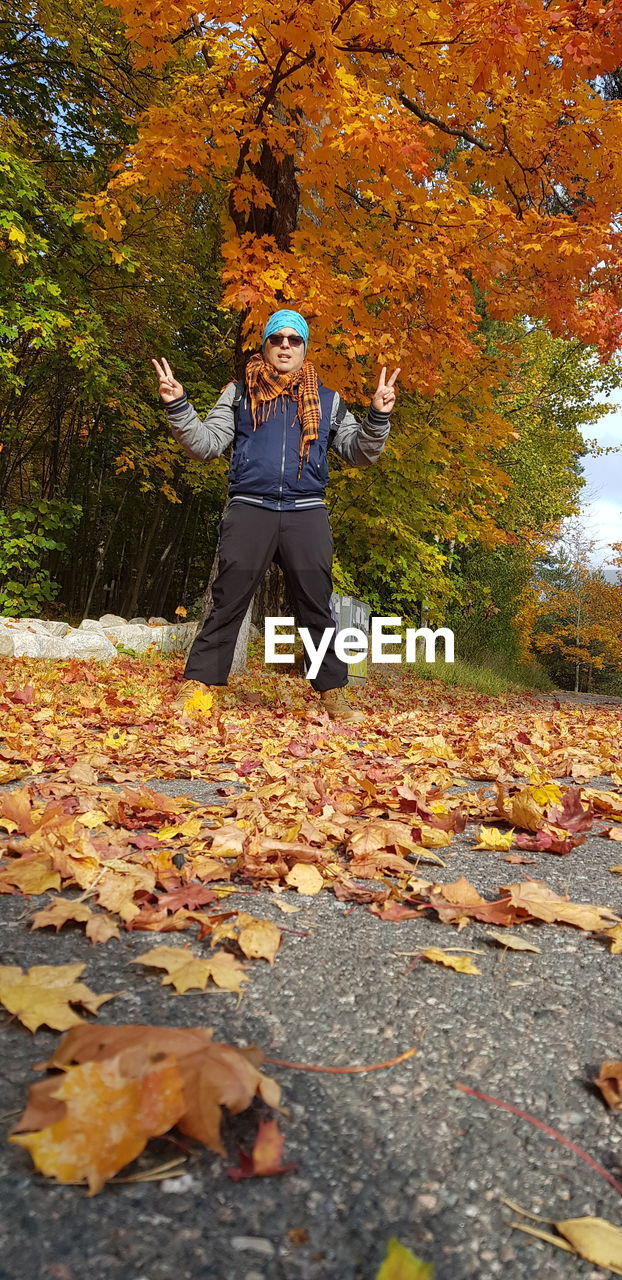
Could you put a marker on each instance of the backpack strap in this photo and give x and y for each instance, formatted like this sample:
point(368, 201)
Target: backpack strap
point(239, 392)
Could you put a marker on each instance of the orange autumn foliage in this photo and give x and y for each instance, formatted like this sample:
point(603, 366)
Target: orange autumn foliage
point(372, 164)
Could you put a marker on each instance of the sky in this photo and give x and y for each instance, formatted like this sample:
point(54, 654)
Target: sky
point(602, 495)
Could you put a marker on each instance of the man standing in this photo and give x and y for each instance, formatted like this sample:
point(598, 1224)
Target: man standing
point(281, 428)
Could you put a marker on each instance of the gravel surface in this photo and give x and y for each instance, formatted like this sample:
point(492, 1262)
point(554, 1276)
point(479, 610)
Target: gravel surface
point(395, 1152)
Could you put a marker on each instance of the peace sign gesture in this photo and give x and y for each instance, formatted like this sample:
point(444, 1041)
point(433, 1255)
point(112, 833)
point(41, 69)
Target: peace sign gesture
point(169, 388)
point(383, 398)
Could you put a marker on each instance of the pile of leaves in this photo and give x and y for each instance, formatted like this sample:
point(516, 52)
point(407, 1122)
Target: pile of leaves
point(355, 811)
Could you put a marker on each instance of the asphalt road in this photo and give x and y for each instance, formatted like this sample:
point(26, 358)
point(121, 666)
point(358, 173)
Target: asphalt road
point(395, 1152)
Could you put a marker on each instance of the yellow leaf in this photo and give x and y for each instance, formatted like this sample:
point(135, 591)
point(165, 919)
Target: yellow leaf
point(493, 838)
point(615, 935)
point(287, 907)
point(462, 964)
point(550, 793)
point(107, 1122)
point(42, 995)
point(190, 828)
point(114, 738)
point(92, 818)
point(16, 233)
point(59, 911)
point(305, 878)
point(260, 940)
point(512, 940)
point(199, 702)
point(594, 1239)
point(186, 971)
point(401, 1264)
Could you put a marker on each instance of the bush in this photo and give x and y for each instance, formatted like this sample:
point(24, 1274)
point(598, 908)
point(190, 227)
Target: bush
point(27, 535)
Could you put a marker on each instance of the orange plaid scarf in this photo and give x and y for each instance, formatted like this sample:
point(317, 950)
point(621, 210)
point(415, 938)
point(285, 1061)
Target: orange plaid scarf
point(266, 385)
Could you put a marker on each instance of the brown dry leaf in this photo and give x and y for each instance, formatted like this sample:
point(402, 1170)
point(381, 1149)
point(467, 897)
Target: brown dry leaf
point(520, 809)
point(260, 940)
point(101, 927)
point(59, 911)
point(92, 818)
point(609, 1081)
point(108, 1120)
point(42, 996)
point(462, 964)
point(287, 907)
point(228, 841)
point(186, 971)
point(34, 873)
point(594, 1239)
point(213, 1075)
point(535, 897)
point(614, 833)
point(493, 838)
point(615, 937)
point(512, 940)
point(305, 878)
point(380, 834)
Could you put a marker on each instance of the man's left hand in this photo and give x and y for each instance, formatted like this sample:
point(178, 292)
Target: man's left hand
point(383, 398)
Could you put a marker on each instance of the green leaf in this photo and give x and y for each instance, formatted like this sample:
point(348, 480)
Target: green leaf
point(401, 1264)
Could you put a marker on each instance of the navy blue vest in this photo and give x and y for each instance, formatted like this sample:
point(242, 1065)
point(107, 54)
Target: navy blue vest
point(264, 463)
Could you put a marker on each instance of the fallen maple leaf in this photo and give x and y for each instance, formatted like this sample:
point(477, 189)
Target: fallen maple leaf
point(108, 1120)
point(260, 940)
point(305, 878)
point(43, 995)
point(615, 937)
point(59, 911)
point(609, 1081)
point(101, 927)
point(594, 1239)
point(462, 964)
point(116, 1100)
point(511, 940)
point(493, 838)
point(186, 971)
point(401, 1264)
point(535, 898)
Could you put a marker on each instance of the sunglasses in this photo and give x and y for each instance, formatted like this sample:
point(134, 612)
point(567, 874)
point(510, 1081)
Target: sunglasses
point(277, 339)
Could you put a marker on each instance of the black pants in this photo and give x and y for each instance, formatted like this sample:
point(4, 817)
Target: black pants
point(301, 542)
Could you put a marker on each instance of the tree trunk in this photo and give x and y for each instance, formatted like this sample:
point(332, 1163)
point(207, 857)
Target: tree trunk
point(279, 176)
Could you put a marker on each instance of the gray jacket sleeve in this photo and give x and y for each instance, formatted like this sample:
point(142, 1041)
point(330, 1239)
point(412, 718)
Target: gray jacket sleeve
point(360, 443)
point(203, 440)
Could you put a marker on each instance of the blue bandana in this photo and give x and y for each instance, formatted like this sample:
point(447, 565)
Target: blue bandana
point(287, 320)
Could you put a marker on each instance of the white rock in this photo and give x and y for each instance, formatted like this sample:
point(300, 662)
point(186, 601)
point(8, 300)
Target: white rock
point(90, 624)
point(79, 644)
point(161, 622)
point(179, 1186)
point(132, 621)
point(254, 1244)
point(33, 625)
point(6, 644)
point(57, 628)
point(112, 620)
point(138, 638)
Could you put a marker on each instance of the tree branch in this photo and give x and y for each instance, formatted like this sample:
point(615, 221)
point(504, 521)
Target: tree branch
point(426, 118)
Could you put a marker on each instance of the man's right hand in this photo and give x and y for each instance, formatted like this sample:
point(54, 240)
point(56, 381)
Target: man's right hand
point(169, 387)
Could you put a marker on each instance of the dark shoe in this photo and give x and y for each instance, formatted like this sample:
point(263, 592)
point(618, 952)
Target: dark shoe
point(338, 707)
